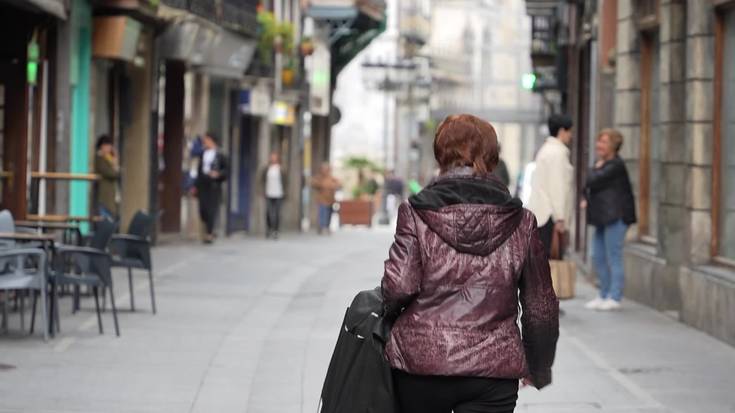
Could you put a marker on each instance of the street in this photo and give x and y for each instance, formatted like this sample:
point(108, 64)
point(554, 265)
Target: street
point(248, 325)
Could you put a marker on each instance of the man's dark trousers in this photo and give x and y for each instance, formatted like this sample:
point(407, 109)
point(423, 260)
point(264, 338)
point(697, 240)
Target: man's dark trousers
point(210, 193)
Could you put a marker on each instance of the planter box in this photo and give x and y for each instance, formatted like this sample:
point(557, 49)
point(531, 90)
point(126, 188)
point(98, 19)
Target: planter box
point(356, 213)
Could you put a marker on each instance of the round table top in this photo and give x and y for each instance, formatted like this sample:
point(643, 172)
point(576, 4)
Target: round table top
point(24, 236)
point(46, 225)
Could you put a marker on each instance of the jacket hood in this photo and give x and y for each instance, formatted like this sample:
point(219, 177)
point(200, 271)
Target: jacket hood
point(474, 214)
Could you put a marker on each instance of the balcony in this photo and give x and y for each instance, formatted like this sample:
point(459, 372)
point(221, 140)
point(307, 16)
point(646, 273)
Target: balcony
point(415, 22)
point(237, 15)
point(544, 42)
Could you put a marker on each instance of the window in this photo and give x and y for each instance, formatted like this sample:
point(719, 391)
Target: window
point(723, 202)
point(650, 162)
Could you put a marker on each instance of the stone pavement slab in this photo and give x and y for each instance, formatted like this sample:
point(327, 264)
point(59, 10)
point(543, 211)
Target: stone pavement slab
point(249, 325)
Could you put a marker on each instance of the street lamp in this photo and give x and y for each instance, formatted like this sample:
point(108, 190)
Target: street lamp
point(388, 77)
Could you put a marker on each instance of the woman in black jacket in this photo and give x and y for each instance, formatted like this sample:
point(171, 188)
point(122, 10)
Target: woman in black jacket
point(611, 209)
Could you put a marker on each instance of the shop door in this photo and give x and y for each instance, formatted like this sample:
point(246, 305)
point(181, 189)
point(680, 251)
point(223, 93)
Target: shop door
point(242, 171)
point(13, 139)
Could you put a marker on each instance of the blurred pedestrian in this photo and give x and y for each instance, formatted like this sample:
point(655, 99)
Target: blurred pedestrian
point(273, 180)
point(456, 344)
point(552, 181)
point(325, 185)
point(611, 210)
point(107, 167)
point(394, 189)
point(501, 171)
point(211, 172)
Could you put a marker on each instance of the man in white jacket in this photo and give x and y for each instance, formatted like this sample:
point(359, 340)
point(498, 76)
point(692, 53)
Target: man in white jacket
point(552, 181)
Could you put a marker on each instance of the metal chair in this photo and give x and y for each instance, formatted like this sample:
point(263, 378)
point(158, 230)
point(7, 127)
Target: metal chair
point(17, 275)
point(6, 225)
point(90, 266)
point(133, 250)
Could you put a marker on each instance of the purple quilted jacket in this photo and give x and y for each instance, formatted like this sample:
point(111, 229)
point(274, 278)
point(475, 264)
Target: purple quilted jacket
point(465, 262)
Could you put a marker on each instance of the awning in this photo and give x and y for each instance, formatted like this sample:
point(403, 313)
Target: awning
point(352, 25)
point(332, 12)
point(53, 7)
point(228, 56)
point(208, 48)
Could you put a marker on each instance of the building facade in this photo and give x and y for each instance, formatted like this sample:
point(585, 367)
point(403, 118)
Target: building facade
point(661, 72)
point(477, 69)
point(155, 76)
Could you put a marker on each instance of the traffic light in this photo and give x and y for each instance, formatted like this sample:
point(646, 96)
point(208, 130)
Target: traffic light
point(528, 81)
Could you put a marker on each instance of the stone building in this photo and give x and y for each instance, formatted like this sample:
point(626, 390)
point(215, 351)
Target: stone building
point(674, 102)
point(663, 73)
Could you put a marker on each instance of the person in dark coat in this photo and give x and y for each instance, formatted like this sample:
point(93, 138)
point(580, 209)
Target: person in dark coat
point(211, 172)
point(107, 167)
point(501, 171)
point(611, 210)
point(465, 258)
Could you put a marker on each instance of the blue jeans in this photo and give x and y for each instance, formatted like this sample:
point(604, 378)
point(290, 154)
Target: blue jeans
point(607, 256)
point(325, 216)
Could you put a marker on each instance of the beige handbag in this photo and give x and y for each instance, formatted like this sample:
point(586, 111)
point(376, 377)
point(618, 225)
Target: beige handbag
point(563, 272)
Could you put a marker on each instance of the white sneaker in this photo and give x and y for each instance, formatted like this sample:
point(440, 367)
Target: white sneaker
point(609, 305)
point(594, 304)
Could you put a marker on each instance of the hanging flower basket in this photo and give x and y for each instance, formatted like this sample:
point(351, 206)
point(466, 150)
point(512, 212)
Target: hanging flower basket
point(307, 47)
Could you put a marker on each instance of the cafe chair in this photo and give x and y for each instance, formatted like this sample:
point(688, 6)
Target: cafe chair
point(133, 250)
point(18, 275)
point(91, 266)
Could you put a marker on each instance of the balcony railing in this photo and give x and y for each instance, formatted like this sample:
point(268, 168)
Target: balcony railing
point(543, 35)
point(238, 15)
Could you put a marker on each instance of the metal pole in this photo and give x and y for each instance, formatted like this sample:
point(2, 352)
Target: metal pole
point(384, 219)
point(43, 140)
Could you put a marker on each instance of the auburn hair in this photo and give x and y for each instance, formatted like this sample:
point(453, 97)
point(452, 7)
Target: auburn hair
point(466, 140)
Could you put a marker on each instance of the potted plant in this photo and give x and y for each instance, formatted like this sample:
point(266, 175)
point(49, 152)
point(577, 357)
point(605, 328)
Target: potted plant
point(273, 36)
point(288, 73)
point(306, 46)
point(360, 209)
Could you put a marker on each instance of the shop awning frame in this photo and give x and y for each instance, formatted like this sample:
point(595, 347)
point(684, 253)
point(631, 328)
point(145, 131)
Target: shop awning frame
point(56, 8)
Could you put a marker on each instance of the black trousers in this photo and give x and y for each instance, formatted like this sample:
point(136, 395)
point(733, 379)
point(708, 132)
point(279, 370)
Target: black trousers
point(438, 394)
point(546, 232)
point(272, 214)
point(209, 198)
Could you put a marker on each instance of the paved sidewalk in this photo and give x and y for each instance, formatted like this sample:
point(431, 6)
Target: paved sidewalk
point(248, 325)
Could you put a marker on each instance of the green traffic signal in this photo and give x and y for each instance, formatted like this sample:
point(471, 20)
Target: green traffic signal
point(528, 81)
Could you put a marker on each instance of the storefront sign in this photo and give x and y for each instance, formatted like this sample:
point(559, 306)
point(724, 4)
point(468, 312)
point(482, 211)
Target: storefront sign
point(282, 113)
point(320, 79)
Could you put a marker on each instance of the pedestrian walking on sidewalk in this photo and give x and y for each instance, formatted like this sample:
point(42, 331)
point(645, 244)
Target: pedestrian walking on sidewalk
point(552, 181)
point(273, 182)
point(465, 255)
point(107, 167)
point(325, 186)
point(611, 210)
point(211, 172)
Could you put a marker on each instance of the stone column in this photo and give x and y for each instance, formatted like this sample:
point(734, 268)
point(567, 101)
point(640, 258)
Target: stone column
point(699, 114)
point(671, 231)
point(136, 145)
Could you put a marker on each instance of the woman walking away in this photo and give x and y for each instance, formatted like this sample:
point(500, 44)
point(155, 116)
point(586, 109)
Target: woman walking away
point(611, 209)
point(465, 255)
